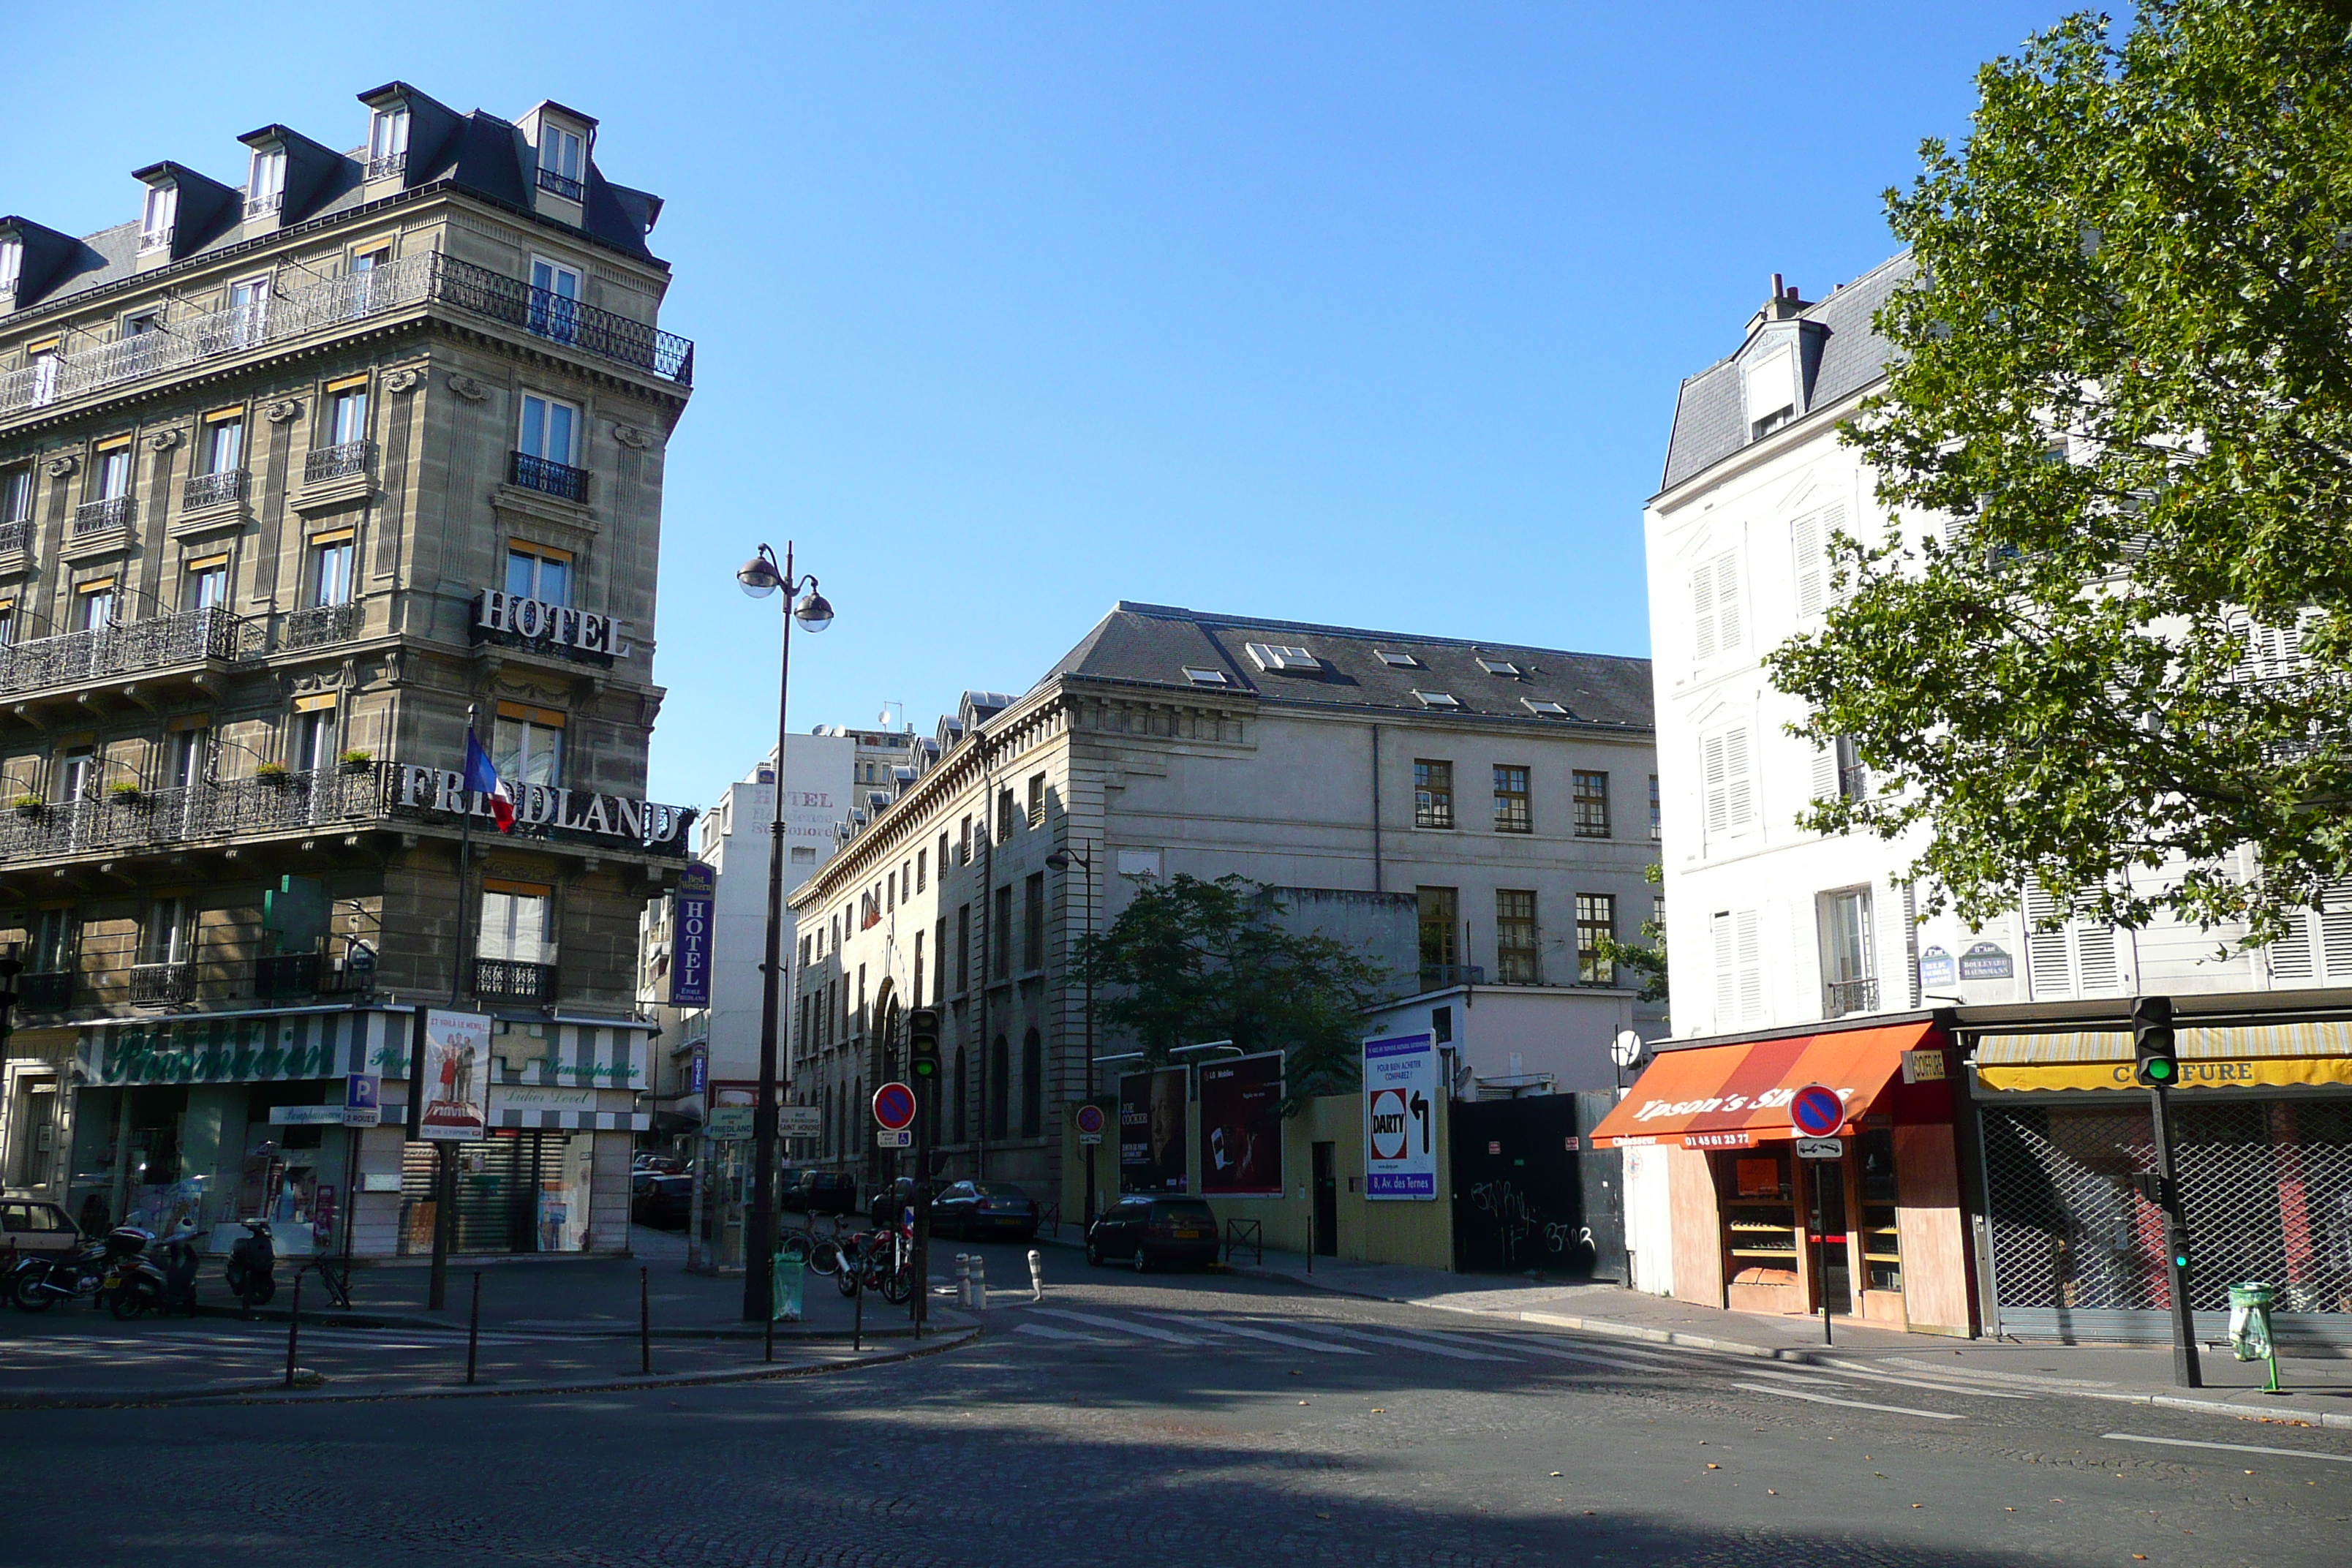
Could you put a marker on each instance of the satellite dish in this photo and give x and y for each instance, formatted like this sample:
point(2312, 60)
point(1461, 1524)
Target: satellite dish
point(1625, 1050)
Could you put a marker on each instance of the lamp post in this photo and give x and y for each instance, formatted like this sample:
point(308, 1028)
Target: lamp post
point(761, 576)
point(1061, 860)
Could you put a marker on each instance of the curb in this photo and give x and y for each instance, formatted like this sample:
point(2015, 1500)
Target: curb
point(274, 1393)
point(400, 1320)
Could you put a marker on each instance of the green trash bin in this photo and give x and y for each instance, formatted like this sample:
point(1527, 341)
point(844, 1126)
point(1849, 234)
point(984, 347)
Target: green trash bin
point(2250, 1325)
point(786, 1279)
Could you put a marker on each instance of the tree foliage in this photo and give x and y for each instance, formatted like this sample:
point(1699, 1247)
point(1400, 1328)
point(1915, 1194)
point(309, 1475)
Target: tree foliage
point(2117, 445)
point(1646, 964)
point(1195, 959)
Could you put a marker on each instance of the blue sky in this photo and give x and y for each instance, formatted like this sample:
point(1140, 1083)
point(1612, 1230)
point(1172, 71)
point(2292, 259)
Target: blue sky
point(1354, 313)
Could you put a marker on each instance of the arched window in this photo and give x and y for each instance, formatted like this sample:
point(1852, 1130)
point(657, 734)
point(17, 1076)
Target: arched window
point(959, 1129)
point(999, 1088)
point(1033, 1085)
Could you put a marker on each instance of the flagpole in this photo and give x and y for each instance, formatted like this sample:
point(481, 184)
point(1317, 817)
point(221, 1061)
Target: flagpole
point(444, 1170)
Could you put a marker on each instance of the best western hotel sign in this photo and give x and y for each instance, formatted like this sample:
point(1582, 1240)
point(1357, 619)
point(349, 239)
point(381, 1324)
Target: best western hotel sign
point(576, 812)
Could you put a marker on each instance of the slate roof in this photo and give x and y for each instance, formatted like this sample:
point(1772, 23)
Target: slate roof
point(1151, 645)
point(1710, 417)
point(481, 154)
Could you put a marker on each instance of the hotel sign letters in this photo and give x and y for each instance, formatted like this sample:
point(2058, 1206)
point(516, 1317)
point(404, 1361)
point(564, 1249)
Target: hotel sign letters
point(544, 805)
point(555, 627)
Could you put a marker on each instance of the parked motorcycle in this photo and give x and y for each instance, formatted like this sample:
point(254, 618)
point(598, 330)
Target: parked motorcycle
point(134, 1286)
point(85, 1272)
point(181, 1260)
point(253, 1265)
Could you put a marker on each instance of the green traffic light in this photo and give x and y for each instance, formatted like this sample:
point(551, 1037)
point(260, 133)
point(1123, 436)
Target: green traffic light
point(2161, 1068)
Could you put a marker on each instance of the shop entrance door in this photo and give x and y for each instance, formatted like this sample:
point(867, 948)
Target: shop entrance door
point(1326, 1200)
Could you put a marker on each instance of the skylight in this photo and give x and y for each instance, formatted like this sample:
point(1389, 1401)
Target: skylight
point(1499, 666)
point(1438, 698)
point(1399, 660)
point(1199, 676)
point(1280, 656)
point(1544, 709)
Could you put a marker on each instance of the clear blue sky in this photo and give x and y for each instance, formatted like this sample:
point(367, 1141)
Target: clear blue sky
point(1352, 313)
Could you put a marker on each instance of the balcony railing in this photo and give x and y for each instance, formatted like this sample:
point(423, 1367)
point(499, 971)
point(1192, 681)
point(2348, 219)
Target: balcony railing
point(559, 479)
point(1440, 976)
point(1840, 997)
point(123, 648)
point(504, 980)
point(267, 202)
point(431, 277)
point(386, 165)
point(319, 625)
point(96, 516)
point(47, 993)
point(281, 976)
point(161, 985)
point(15, 536)
point(213, 489)
point(337, 462)
point(563, 186)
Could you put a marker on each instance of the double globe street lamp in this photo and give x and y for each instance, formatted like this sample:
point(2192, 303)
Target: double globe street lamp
point(761, 576)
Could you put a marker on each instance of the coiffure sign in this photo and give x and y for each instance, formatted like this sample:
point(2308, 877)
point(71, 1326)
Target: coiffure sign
point(556, 628)
point(578, 813)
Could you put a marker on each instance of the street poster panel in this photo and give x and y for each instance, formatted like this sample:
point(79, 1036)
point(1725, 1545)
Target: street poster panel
point(457, 1078)
point(1152, 1116)
point(690, 962)
point(1241, 1126)
point(1401, 1119)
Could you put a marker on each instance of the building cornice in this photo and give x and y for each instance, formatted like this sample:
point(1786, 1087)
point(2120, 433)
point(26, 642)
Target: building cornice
point(1797, 433)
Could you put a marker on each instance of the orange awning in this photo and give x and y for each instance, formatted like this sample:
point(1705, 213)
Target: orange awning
point(1731, 1097)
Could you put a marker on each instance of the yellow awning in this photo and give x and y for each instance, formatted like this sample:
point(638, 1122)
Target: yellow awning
point(2195, 1073)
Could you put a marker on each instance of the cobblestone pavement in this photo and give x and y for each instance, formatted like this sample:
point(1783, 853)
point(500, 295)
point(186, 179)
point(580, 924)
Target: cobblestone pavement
point(1205, 1420)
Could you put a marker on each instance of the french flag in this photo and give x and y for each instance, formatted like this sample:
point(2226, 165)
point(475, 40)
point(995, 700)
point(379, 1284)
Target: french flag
point(483, 779)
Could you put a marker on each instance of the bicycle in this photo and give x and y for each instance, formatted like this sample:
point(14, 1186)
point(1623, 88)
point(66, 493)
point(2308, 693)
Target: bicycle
point(817, 1254)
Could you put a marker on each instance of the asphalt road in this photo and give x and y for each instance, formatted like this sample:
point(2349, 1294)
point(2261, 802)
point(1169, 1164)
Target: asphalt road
point(1178, 1420)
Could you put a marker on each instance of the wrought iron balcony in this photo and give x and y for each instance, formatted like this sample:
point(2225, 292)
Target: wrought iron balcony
point(123, 648)
point(563, 186)
point(319, 625)
point(15, 536)
point(387, 165)
point(283, 975)
point(561, 481)
point(47, 993)
point(338, 462)
point(267, 202)
point(505, 980)
point(1840, 997)
point(97, 516)
point(213, 489)
point(163, 985)
point(178, 342)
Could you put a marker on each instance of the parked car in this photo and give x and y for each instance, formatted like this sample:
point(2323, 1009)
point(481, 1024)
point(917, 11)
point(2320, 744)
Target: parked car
point(889, 1202)
point(30, 1225)
point(969, 1210)
point(1150, 1231)
point(824, 1192)
point(662, 1201)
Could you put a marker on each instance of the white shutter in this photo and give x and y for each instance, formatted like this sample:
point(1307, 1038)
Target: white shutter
point(2289, 956)
point(1810, 563)
point(1739, 785)
point(1703, 611)
point(2047, 963)
point(1711, 768)
point(1726, 602)
point(1772, 385)
point(1911, 944)
point(1726, 981)
point(2096, 962)
point(1825, 774)
point(2335, 925)
point(1748, 938)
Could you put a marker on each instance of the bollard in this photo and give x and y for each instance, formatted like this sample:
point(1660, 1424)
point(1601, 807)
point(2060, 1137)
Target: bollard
point(1036, 1274)
point(644, 1324)
point(978, 1283)
point(474, 1326)
point(858, 1315)
point(963, 1280)
point(293, 1327)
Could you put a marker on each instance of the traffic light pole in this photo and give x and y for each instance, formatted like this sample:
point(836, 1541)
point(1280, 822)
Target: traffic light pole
point(2186, 1372)
point(926, 1100)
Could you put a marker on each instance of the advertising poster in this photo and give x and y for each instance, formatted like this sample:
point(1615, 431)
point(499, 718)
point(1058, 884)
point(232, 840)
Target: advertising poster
point(689, 964)
point(1241, 1126)
point(1401, 1119)
point(456, 1077)
point(1152, 1116)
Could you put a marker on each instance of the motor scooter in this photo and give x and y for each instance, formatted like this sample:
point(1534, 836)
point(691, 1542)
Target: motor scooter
point(253, 1265)
point(83, 1272)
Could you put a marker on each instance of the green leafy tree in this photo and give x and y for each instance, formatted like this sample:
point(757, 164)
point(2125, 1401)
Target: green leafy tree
point(1645, 963)
point(2106, 642)
point(1193, 960)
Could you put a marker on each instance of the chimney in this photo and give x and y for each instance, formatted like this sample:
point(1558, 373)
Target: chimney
point(1783, 304)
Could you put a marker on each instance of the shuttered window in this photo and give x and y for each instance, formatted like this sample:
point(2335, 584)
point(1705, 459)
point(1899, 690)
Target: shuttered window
point(1715, 606)
point(2319, 949)
point(2073, 958)
point(1811, 540)
point(1725, 766)
point(1739, 968)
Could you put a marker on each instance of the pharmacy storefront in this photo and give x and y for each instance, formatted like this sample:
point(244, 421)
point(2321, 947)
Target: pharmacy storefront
point(210, 1121)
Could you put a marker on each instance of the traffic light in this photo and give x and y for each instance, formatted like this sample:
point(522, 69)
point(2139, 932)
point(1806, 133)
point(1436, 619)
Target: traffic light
point(923, 1042)
point(2177, 1238)
point(2153, 1062)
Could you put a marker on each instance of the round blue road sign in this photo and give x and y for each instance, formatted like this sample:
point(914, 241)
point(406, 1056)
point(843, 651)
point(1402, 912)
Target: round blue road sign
point(894, 1107)
point(1818, 1113)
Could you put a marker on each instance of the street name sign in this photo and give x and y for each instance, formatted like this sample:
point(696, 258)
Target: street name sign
point(729, 1122)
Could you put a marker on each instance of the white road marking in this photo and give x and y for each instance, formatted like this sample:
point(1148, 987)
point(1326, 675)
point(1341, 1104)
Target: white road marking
point(2234, 1447)
point(1943, 1385)
point(1609, 1359)
point(1850, 1404)
point(1043, 1333)
point(1291, 1340)
point(1406, 1341)
point(1116, 1325)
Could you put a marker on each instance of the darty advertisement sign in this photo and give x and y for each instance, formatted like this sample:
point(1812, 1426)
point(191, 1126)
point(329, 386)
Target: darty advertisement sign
point(1400, 1118)
point(543, 805)
point(557, 628)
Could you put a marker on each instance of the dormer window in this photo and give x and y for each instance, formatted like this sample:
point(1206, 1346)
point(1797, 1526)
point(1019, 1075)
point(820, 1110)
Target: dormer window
point(264, 182)
point(1398, 661)
point(1500, 666)
point(1200, 676)
point(1438, 700)
point(162, 215)
point(388, 142)
point(1282, 656)
point(1771, 388)
point(559, 164)
point(12, 267)
point(1544, 710)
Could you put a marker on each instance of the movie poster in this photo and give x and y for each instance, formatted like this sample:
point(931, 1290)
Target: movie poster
point(456, 1077)
point(1152, 1116)
point(1241, 1126)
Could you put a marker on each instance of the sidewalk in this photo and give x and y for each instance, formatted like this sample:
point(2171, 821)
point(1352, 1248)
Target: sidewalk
point(2318, 1389)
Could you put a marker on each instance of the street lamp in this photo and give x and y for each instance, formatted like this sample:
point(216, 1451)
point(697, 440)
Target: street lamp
point(1061, 860)
point(761, 576)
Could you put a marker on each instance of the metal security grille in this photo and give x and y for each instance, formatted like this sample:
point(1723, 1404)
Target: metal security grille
point(2267, 1187)
point(498, 1182)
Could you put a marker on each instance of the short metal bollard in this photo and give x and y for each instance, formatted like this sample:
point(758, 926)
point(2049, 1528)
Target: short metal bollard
point(978, 1283)
point(474, 1326)
point(293, 1327)
point(963, 1280)
point(1036, 1274)
point(644, 1322)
